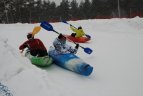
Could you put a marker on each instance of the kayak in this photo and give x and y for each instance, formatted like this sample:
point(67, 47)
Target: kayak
point(39, 61)
point(77, 39)
point(71, 62)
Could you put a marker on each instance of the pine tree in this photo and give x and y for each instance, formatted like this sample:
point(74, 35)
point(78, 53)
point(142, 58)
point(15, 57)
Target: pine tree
point(74, 9)
point(63, 10)
point(86, 9)
point(6, 11)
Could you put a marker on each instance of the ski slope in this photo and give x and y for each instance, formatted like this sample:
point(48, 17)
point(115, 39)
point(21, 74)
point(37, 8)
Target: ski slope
point(117, 59)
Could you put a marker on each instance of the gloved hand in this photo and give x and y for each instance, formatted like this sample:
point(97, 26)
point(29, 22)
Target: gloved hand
point(77, 46)
point(70, 25)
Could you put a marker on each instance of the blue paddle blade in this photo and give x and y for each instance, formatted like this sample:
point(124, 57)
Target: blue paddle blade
point(64, 21)
point(88, 36)
point(88, 50)
point(46, 26)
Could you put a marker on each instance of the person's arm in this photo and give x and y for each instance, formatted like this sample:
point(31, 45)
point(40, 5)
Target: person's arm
point(23, 46)
point(73, 29)
point(71, 49)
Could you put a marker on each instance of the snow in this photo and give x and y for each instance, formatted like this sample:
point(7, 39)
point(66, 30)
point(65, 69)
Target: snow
point(117, 59)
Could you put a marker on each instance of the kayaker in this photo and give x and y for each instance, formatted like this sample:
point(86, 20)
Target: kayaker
point(34, 45)
point(61, 47)
point(78, 31)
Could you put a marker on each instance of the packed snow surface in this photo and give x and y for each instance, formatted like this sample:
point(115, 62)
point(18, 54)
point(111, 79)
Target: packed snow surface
point(117, 59)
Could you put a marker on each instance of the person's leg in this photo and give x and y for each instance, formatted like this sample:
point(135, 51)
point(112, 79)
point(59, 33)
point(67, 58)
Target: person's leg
point(33, 52)
point(42, 53)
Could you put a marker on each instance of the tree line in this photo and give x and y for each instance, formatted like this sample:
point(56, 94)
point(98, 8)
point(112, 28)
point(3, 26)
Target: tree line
point(30, 11)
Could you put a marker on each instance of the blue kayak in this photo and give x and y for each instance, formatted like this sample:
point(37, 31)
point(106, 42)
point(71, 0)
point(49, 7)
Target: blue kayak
point(71, 62)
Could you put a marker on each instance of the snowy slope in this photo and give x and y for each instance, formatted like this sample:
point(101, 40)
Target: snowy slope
point(117, 59)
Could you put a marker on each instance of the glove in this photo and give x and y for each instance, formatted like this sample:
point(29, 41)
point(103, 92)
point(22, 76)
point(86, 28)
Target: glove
point(77, 46)
point(70, 25)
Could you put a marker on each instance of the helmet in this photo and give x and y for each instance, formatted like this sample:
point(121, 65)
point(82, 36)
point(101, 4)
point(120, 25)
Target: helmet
point(61, 37)
point(79, 27)
point(29, 36)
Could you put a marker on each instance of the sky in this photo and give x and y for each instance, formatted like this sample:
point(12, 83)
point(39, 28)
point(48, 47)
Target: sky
point(117, 59)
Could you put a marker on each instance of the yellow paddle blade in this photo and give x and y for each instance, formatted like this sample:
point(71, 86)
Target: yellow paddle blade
point(36, 30)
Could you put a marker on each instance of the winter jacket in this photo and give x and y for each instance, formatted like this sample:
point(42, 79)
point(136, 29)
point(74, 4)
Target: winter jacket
point(79, 32)
point(61, 47)
point(35, 46)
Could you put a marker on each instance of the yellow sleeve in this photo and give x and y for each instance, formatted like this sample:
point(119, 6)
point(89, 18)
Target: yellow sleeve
point(73, 29)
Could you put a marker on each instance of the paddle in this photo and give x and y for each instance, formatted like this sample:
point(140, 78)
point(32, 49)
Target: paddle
point(88, 36)
point(49, 27)
point(36, 30)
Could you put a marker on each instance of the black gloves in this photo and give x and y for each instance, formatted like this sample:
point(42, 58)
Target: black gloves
point(77, 45)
